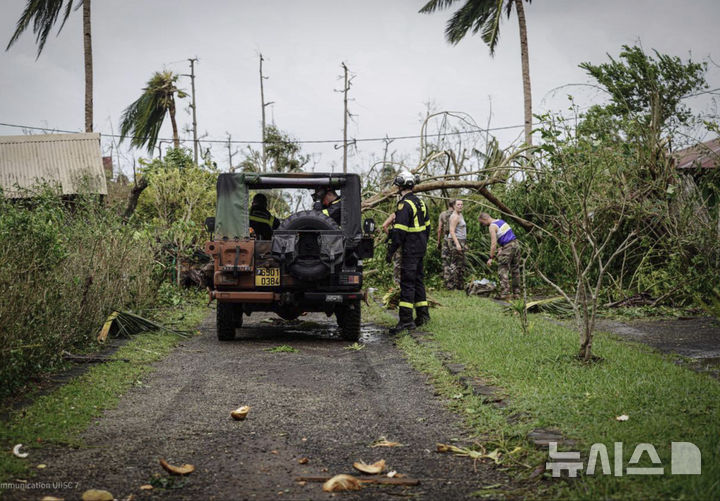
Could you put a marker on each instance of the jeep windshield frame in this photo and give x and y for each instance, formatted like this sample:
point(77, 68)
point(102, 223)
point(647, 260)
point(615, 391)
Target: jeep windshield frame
point(231, 219)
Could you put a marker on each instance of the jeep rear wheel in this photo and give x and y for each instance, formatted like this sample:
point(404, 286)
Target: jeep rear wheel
point(229, 317)
point(348, 319)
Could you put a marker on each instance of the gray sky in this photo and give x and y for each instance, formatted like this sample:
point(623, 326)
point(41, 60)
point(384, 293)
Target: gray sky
point(400, 59)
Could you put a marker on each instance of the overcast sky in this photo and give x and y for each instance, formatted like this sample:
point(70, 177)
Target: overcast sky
point(399, 57)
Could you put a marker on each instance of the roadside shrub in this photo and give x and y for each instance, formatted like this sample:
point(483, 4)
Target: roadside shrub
point(64, 266)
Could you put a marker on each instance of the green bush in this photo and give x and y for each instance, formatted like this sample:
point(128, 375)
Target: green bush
point(64, 266)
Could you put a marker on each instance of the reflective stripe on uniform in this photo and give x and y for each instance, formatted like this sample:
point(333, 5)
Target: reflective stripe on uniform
point(416, 227)
point(326, 211)
point(259, 219)
point(404, 304)
point(420, 304)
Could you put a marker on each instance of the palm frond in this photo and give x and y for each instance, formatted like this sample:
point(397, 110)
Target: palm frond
point(143, 119)
point(491, 29)
point(471, 16)
point(43, 14)
point(434, 5)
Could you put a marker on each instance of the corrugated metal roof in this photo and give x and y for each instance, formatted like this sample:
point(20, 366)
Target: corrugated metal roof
point(701, 156)
point(71, 161)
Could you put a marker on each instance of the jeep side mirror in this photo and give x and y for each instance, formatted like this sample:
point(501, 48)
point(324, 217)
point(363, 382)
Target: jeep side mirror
point(210, 224)
point(369, 226)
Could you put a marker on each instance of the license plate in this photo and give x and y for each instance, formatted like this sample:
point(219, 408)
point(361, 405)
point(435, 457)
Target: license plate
point(333, 298)
point(267, 277)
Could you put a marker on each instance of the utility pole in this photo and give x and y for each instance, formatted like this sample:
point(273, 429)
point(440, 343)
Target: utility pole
point(263, 104)
point(194, 111)
point(346, 87)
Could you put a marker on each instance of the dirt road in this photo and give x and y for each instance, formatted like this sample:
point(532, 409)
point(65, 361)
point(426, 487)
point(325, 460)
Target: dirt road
point(323, 402)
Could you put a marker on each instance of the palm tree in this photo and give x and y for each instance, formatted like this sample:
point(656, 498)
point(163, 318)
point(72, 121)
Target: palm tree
point(485, 15)
point(44, 14)
point(143, 118)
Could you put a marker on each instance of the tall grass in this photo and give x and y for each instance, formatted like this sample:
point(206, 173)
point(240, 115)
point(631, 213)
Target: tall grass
point(64, 266)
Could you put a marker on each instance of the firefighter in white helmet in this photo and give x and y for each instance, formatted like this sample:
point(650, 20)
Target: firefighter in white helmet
point(410, 233)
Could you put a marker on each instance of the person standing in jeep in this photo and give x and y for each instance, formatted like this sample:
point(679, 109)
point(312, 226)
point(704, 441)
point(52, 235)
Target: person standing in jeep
point(331, 203)
point(410, 232)
point(261, 221)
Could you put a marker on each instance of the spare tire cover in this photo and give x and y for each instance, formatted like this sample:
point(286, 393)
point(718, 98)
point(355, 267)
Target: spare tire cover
point(304, 267)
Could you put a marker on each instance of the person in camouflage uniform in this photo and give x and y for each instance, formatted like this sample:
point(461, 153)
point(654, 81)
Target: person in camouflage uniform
point(508, 254)
point(457, 239)
point(443, 244)
point(396, 257)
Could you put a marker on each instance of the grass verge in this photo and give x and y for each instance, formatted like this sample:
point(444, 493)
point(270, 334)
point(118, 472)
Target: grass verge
point(59, 417)
point(548, 388)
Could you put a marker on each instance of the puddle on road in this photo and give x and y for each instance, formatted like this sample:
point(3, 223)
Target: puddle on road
point(273, 328)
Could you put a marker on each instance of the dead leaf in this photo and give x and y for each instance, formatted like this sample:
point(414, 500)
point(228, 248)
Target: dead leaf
point(102, 337)
point(463, 451)
point(623, 417)
point(185, 469)
point(41, 466)
point(303, 460)
point(273, 452)
point(240, 413)
point(146, 487)
point(371, 469)
point(17, 453)
point(383, 442)
point(302, 483)
point(52, 498)
point(391, 474)
point(97, 495)
point(342, 483)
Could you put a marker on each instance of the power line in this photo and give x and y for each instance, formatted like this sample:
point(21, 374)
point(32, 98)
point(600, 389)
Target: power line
point(309, 141)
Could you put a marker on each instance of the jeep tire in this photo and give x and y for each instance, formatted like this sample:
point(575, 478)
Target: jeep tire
point(308, 268)
point(348, 319)
point(229, 317)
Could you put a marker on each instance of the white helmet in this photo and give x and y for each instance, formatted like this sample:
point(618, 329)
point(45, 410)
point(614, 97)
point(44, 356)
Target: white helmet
point(406, 179)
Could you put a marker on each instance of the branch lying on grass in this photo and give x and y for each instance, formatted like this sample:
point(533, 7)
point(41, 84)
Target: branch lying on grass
point(89, 359)
point(128, 324)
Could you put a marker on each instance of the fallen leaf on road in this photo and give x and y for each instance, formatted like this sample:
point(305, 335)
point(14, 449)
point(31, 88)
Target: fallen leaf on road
point(624, 417)
point(52, 498)
point(383, 442)
point(391, 474)
point(371, 469)
point(146, 487)
point(303, 460)
point(97, 495)
point(463, 451)
point(302, 483)
point(16, 451)
point(273, 452)
point(185, 469)
point(41, 466)
point(240, 413)
point(342, 483)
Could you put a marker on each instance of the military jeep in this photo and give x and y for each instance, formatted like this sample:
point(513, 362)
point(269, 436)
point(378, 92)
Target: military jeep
point(310, 264)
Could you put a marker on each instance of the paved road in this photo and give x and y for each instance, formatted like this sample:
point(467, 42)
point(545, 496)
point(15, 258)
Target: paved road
point(323, 402)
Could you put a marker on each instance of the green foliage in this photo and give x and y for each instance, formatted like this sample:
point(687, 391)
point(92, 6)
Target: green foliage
point(283, 348)
point(64, 266)
point(173, 208)
point(143, 119)
point(43, 16)
point(283, 154)
point(647, 89)
point(547, 388)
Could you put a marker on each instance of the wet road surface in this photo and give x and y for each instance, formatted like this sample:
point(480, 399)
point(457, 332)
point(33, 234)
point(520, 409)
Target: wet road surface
point(323, 402)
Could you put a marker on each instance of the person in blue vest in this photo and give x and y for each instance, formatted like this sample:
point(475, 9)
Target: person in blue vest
point(331, 203)
point(261, 221)
point(410, 233)
point(508, 254)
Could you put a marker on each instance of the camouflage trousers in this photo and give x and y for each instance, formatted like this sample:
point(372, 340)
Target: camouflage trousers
point(396, 266)
point(456, 268)
point(445, 259)
point(508, 259)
